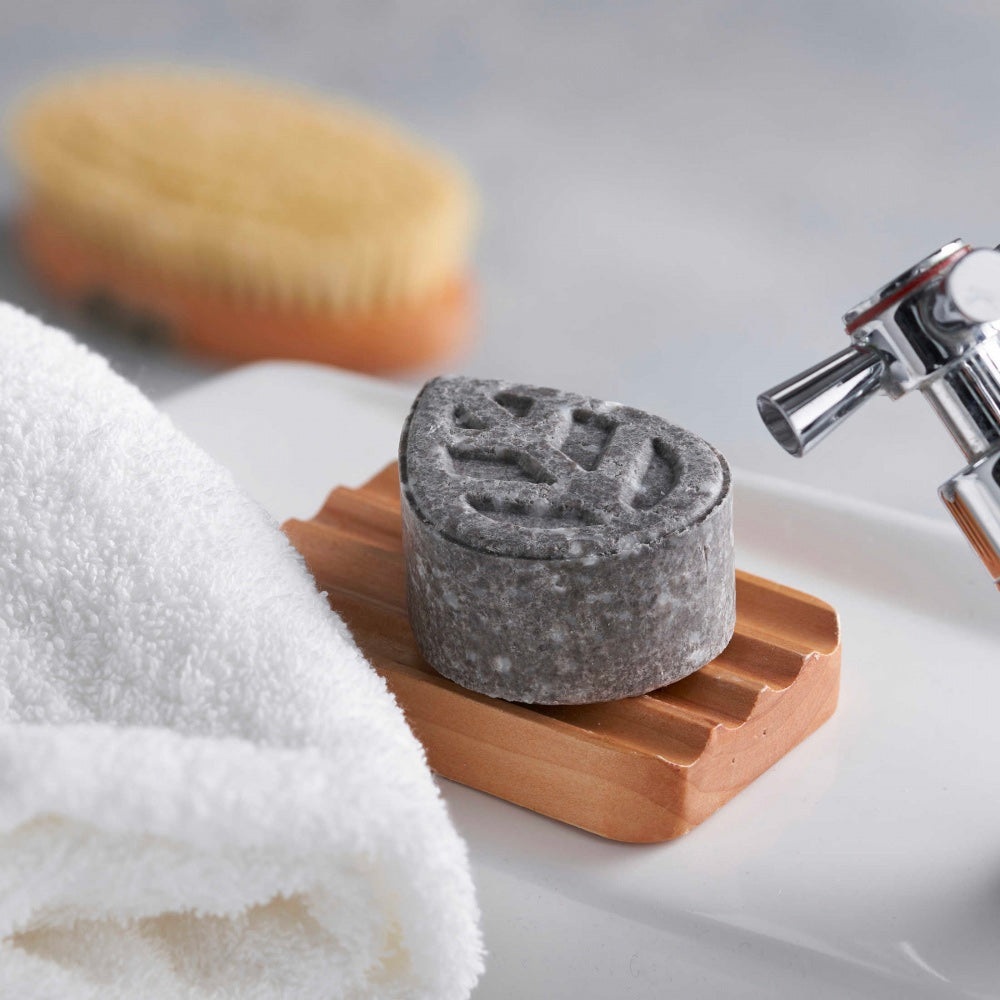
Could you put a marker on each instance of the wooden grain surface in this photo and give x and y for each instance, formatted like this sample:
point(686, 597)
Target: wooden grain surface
point(641, 769)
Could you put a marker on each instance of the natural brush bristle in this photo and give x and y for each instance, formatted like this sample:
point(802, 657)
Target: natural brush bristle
point(261, 192)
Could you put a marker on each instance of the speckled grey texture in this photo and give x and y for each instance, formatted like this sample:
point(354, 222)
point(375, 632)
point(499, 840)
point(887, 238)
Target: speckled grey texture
point(560, 549)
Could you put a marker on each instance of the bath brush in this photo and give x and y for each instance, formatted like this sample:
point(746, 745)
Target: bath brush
point(244, 221)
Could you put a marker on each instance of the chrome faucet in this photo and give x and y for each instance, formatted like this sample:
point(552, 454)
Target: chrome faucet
point(935, 328)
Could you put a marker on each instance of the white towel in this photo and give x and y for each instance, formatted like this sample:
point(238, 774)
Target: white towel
point(205, 792)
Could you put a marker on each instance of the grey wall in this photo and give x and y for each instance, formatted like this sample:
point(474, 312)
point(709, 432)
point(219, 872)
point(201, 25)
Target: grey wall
point(680, 199)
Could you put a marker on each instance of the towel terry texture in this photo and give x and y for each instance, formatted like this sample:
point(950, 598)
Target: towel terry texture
point(205, 792)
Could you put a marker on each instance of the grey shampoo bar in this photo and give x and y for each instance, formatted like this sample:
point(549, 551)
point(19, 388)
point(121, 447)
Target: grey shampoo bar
point(559, 549)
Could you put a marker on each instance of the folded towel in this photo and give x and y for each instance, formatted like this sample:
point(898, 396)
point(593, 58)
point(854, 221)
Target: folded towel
point(204, 789)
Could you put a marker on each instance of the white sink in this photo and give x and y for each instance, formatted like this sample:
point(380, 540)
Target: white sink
point(864, 864)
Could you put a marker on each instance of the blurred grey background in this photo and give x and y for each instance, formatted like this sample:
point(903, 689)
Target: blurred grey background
point(680, 200)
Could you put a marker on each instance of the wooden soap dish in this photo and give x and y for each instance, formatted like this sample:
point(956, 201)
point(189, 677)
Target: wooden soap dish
point(641, 769)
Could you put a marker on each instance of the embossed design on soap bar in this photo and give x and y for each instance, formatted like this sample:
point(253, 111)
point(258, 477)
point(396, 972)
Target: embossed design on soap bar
point(537, 462)
point(589, 436)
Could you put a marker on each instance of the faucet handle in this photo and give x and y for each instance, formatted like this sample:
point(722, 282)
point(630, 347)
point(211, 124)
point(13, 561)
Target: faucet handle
point(803, 410)
point(971, 290)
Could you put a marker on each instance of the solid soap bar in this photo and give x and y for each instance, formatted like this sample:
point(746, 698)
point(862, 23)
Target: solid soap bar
point(560, 549)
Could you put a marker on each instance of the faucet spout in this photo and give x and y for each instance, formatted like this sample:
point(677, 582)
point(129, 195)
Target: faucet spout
point(803, 410)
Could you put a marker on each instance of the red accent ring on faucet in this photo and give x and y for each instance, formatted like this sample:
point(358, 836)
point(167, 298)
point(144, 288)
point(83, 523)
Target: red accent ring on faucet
point(907, 289)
